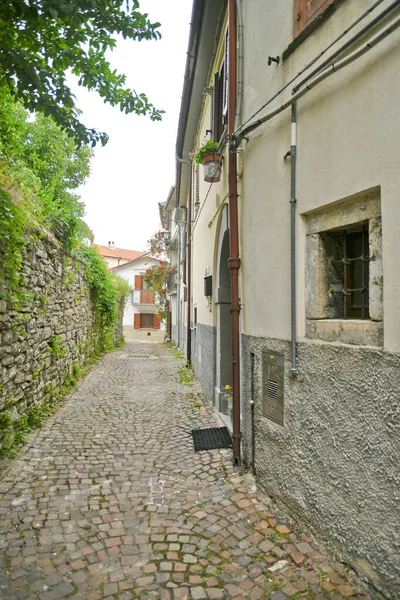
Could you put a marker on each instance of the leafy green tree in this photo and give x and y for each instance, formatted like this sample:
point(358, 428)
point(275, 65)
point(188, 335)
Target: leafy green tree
point(42, 40)
point(44, 167)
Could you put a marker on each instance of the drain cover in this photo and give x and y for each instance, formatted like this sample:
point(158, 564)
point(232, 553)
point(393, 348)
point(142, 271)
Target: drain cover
point(209, 439)
point(137, 356)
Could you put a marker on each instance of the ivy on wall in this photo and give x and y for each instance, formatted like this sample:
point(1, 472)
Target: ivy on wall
point(107, 291)
point(40, 169)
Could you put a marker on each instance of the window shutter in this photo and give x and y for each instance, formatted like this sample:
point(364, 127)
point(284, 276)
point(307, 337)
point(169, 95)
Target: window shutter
point(216, 108)
point(225, 83)
point(136, 321)
point(306, 11)
point(156, 322)
point(138, 282)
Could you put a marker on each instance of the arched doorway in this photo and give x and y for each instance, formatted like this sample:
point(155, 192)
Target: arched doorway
point(223, 316)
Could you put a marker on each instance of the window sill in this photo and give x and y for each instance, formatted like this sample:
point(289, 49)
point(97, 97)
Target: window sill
point(308, 30)
point(346, 331)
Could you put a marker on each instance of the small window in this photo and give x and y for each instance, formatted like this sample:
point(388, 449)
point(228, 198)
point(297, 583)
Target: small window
point(195, 316)
point(347, 252)
point(147, 321)
point(344, 277)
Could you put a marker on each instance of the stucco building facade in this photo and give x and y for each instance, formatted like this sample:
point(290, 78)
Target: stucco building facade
point(141, 319)
point(314, 139)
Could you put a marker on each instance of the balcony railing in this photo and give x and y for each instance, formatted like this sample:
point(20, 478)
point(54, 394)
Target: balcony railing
point(143, 297)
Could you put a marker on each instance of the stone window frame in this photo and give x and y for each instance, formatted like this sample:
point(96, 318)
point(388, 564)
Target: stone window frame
point(362, 208)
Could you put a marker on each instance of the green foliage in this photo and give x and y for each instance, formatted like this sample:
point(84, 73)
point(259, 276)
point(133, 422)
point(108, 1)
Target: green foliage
point(55, 347)
point(185, 375)
point(156, 277)
point(42, 40)
point(14, 429)
point(13, 238)
point(40, 161)
point(108, 293)
point(208, 148)
point(157, 245)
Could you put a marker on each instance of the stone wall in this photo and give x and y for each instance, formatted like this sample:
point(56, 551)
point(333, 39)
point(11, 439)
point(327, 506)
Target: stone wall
point(334, 461)
point(54, 331)
point(203, 357)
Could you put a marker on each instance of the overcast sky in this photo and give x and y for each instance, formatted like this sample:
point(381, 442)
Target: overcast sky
point(136, 169)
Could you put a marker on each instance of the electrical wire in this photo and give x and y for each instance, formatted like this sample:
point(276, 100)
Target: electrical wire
point(310, 64)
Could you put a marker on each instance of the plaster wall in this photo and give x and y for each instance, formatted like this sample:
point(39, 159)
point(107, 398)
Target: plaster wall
point(113, 262)
point(335, 460)
point(128, 272)
point(348, 131)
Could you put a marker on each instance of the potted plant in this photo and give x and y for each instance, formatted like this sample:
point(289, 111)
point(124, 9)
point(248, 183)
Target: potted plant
point(210, 158)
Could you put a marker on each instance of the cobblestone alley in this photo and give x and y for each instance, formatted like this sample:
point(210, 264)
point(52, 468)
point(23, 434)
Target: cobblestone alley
point(109, 500)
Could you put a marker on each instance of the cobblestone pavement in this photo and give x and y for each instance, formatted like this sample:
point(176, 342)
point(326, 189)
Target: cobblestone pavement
point(109, 500)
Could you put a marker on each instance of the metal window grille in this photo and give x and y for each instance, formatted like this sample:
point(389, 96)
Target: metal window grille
point(355, 260)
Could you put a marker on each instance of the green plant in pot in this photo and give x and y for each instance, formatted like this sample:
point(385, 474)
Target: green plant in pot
point(209, 156)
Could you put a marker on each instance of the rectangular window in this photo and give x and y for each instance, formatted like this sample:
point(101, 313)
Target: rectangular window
point(344, 277)
point(147, 321)
point(348, 271)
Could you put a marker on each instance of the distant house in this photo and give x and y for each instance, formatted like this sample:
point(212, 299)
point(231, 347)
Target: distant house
point(141, 319)
point(115, 257)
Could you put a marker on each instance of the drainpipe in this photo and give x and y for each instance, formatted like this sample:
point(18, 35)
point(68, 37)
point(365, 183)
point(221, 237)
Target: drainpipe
point(293, 156)
point(189, 261)
point(234, 260)
point(240, 63)
point(178, 291)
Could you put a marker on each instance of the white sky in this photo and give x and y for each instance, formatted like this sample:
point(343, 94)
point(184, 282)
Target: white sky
point(136, 169)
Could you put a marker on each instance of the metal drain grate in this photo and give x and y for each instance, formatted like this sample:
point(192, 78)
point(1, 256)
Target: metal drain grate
point(209, 439)
point(137, 357)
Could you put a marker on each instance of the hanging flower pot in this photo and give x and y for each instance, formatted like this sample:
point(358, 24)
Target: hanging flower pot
point(211, 159)
point(212, 167)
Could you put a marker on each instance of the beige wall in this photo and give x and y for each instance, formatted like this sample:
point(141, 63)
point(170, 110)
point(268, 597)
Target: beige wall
point(348, 131)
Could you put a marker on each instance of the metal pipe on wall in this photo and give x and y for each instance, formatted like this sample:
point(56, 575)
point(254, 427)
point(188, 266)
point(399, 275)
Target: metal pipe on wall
point(293, 307)
point(234, 260)
point(189, 260)
point(178, 290)
point(373, 41)
point(240, 62)
point(349, 43)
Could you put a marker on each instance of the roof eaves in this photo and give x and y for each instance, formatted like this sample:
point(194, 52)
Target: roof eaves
point(202, 41)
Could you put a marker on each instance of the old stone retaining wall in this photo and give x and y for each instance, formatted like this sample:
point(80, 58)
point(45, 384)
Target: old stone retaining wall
point(54, 330)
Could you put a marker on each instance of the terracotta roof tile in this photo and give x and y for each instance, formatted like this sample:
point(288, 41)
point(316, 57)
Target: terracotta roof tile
point(119, 252)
